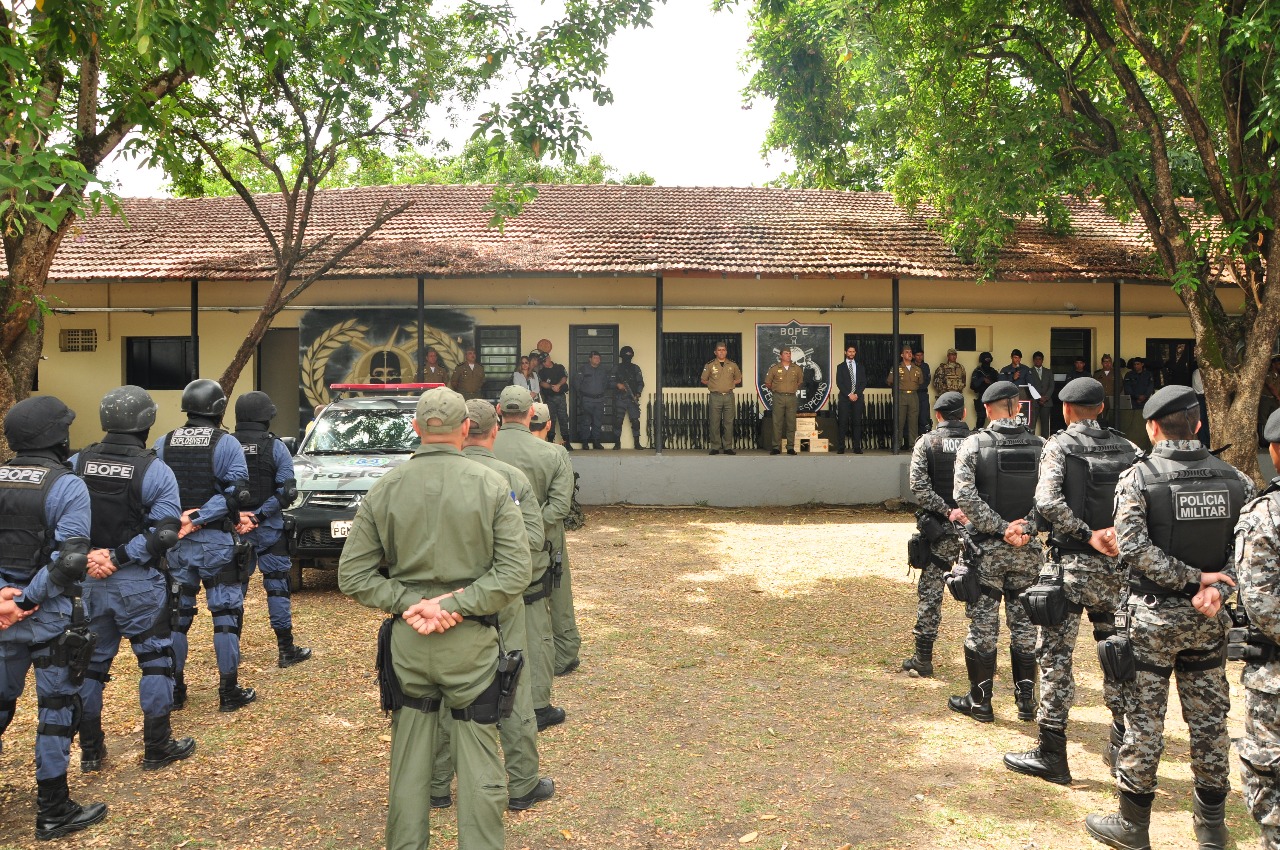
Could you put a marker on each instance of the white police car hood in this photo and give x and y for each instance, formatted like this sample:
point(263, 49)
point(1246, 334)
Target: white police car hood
point(355, 472)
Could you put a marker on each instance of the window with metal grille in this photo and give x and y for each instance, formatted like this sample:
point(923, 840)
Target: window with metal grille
point(684, 355)
point(78, 339)
point(1065, 345)
point(498, 351)
point(158, 362)
point(877, 356)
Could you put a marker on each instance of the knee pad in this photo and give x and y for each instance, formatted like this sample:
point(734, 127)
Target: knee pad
point(55, 703)
point(485, 708)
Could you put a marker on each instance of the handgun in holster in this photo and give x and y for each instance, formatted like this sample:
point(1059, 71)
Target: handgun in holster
point(1245, 642)
point(173, 595)
point(389, 693)
point(510, 665)
point(557, 567)
point(244, 558)
point(74, 647)
point(1115, 653)
point(962, 579)
point(1046, 601)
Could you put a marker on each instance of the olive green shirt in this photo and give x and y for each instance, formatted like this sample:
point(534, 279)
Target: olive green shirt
point(780, 380)
point(721, 377)
point(908, 379)
point(548, 470)
point(468, 379)
point(437, 374)
point(438, 522)
point(530, 509)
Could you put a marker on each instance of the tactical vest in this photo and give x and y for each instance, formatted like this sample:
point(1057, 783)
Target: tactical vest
point(1008, 468)
point(259, 456)
point(940, 457)
point(26, 541)
point(1193, 502)
point(188, 451)
point(1094, 460)
point(114, 473)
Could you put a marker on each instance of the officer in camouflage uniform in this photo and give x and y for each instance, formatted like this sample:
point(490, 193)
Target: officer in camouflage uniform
point(950, 376)
point(1175, 515)
point(440, 522)
point(1076, 495)
point(1258, 571)
point(932, 479)
point(995, 483)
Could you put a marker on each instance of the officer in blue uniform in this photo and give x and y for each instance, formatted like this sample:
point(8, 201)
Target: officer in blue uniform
point(272, 488)
point(136, 517)
point(44, 547)
point(212, 482)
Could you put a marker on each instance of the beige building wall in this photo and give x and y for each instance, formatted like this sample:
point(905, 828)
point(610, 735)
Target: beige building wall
point(547, 307)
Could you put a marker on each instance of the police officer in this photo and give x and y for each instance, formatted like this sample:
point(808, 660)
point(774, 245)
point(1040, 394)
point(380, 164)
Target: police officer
point(995, 484)
point(433, 371)
point(783, 380)
point(720, 376)
point(272, 489)
point(552, 644)
point(1075, 495)
point(437, 523)
point(908, 387)
point(628, 384)
point(519, 732)
point(949, 376)
point(932, 480)
point(591, 383)
point(981, 380)
point(213, 482)
point(1175, 514)
point(1258, 571)
point(136, 518)
point(1016, 373)
point(44, 547)
point(468, 377)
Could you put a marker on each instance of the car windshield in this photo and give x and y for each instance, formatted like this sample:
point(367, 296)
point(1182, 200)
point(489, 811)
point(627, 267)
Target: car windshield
point(362, 431)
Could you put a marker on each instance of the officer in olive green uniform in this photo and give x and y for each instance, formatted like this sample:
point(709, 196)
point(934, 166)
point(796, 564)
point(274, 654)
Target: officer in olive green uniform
point(547, 468)
point(519, 732)
point(434, 372)
point(720, 376)
point(911, 384)
point(783, 380)
point(468, 378)
point(437, 523)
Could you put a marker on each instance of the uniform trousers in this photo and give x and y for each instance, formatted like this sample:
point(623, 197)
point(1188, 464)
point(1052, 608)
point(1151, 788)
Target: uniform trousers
point(784, 419)
point(132, 602)
point(202, 556)
point(930, 588)
point(23, 645)
point(908, 414)
point(564, 620)
point(272, 556)
point(1260, 763)
point(1010, 570)
point(720, 421)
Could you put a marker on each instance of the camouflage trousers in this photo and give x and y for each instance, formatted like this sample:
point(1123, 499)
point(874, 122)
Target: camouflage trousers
point(1171, 638)
point(1011, 570)
point(1100, 589)
point(930, 588)
point(1260, 763)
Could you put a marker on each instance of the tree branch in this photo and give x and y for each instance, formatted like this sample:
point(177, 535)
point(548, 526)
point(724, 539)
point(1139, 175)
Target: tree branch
point(96, 148)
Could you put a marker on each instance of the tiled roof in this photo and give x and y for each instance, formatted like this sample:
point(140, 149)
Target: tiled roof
point(593, 230)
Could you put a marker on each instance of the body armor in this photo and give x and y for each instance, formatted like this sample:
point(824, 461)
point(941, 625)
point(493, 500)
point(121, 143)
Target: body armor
point(25, 539)
point(114, 472)
point(1008, 468)
point(188, 452)
point(259, 456)
point(940, 456)
point(1094, 460)
point(1193, 502)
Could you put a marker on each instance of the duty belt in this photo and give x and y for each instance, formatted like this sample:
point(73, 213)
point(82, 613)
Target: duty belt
point(1140, 585)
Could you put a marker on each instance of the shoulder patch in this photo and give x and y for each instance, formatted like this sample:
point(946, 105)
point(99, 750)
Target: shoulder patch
point(515, 498)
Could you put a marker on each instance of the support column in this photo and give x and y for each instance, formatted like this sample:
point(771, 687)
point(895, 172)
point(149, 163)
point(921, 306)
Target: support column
point(1114, 401)
point(422, 334)
point(658, 364)
point(195, 329)
point(893, 368)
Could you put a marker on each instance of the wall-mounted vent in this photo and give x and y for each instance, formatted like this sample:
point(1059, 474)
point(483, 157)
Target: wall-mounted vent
point(78, 339)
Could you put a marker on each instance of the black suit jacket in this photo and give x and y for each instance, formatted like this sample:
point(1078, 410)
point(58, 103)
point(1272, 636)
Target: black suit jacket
point(843, 383)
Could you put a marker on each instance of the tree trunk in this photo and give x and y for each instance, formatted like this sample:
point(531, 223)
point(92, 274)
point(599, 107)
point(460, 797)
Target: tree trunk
point(254, 338)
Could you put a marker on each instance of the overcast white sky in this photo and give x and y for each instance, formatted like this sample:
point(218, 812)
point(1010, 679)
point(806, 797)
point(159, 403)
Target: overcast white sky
point(677, 112)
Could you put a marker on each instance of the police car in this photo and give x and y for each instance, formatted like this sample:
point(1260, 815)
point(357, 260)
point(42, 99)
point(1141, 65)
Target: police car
point(353, 443)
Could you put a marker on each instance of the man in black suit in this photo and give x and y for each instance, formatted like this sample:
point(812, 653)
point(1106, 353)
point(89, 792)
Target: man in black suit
point(851, 382)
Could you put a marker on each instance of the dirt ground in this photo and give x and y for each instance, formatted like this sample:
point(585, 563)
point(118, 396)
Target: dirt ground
point(740, 687)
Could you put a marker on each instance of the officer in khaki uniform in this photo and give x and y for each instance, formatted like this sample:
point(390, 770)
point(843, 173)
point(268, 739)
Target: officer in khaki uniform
point(468, 378)
point(547, 467)
point(911, 383)
point(434, 372)
point(519, 733)
point(720, 376)
point(440, 522)
point(783, 380)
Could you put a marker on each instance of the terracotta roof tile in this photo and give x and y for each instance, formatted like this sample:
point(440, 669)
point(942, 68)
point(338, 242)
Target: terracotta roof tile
point(596, 230)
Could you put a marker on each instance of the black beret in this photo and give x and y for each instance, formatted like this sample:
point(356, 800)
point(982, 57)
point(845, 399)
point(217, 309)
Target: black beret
point(1085, 391)
point(1170, 399)
point(999, 391)
point(952, 402)
point(1271, 433)
point(1017, 352)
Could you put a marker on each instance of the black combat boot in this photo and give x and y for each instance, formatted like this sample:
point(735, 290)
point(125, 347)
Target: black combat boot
point(93, 746)
point(179, 691)
point(1207, 818)
point(977, 703)
point(231, 696)
point(1025, 674)
point(1113, 746)
point(159, 746)
point(1126, 830)
point(1047, 761)
point(922, 662)
point(289, 653)
point(57, 814)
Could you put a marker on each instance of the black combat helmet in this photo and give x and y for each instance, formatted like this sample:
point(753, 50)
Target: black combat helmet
point(38, 423)
point(204, 397)
point(127, 410)
point(627, 352)
point(256, 406)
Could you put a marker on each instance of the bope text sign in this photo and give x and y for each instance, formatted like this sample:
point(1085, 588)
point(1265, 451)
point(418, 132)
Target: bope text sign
point(810, 350)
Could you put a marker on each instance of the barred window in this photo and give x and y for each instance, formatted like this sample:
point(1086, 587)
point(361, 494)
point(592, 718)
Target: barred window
point(684, 355)
point(498, 351)
point(877, 356)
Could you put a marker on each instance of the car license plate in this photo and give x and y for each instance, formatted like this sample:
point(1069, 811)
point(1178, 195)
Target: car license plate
point(340, 528)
